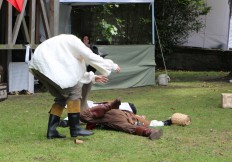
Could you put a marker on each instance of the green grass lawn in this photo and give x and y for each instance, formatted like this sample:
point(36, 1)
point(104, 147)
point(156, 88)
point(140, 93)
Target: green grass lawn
point(209, 137)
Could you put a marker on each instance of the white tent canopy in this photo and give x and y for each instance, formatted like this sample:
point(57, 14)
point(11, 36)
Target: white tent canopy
point(217, 32)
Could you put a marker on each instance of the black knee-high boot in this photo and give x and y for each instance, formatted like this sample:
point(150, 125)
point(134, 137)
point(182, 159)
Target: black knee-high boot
point(52, 124)
point(74, 124)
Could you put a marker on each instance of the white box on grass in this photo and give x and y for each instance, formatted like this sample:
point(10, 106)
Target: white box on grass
point(226, 100)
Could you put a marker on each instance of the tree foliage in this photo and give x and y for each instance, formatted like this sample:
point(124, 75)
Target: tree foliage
point(123, 24)
point(131, 23)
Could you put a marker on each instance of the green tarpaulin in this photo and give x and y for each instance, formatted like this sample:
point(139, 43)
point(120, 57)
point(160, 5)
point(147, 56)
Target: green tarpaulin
point(137, 64)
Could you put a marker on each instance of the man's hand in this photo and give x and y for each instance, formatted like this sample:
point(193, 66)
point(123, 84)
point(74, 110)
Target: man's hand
point(101, 79)
point(118, 69)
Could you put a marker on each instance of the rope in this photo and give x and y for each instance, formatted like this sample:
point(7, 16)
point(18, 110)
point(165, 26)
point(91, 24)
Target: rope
point(161, 48)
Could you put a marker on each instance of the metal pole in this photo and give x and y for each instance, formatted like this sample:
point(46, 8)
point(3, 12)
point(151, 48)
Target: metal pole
point(153, 22)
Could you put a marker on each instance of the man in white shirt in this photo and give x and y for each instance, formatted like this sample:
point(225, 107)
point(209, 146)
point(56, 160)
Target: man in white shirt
point(59, 63)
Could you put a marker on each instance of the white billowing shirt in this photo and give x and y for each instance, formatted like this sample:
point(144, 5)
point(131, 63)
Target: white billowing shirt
point(63, 59)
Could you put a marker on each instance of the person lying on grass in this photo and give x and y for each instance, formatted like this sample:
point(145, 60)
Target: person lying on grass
point(119, 116)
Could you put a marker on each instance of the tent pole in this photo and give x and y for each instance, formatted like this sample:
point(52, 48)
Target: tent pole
point(229, 24)
point(153, 22)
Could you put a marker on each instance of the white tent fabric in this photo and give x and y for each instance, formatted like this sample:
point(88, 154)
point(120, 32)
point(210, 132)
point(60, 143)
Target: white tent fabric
point(20, 78)
point(64, 19)
point(215, 34)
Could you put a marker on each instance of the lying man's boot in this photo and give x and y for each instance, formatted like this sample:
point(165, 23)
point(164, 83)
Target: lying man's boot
point(152, 134)
point(155, 134)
